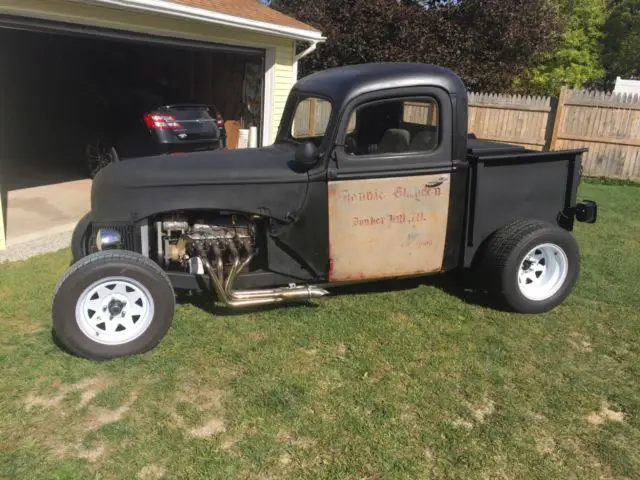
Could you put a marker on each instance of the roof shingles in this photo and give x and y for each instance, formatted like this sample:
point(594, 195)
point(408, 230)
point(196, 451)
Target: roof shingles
point(249, 9)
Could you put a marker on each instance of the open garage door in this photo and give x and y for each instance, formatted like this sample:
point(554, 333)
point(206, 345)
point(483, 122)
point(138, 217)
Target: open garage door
point(59, 84)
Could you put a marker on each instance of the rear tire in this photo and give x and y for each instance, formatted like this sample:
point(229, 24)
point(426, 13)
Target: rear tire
point(531, 266)
point(99, 153)
point(112, 304)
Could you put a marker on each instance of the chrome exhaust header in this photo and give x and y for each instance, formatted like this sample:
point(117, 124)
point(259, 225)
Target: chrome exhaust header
point(248, 298)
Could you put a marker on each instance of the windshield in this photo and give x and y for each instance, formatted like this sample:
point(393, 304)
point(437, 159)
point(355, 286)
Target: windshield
point(310, 120)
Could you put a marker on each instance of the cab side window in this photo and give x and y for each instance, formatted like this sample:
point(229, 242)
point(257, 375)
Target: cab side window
point(396, 126)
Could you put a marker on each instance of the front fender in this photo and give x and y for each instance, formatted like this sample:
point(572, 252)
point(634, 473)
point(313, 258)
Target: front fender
point(80, 238)
point(278, 201)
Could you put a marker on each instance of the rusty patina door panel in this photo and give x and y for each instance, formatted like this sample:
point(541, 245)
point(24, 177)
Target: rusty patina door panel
point(387, 227)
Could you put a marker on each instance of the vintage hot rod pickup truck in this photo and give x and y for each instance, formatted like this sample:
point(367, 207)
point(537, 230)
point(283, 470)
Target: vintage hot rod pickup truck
point(372, 176)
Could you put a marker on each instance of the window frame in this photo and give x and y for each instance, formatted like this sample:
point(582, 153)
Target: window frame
point(301, 97)
point(423, 98)
point(441, 156)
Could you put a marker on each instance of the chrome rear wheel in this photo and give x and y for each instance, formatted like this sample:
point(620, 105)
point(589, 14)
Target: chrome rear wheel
point(543, 272)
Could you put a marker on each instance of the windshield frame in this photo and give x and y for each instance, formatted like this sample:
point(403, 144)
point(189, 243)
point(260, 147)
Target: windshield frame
point(288, 117)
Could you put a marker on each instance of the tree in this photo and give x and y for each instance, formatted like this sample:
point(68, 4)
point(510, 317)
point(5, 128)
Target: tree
point(621, 55)
point(495, 41)
point(578, 60)
point(487, 42)
point(430, 3)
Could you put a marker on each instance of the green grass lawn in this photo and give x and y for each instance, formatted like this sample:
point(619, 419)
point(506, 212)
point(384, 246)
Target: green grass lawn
point(409, 383)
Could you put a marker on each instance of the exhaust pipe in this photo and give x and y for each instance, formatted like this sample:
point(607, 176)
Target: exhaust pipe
point(249, 298)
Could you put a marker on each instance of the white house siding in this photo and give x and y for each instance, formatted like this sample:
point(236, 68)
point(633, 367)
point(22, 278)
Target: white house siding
point(284, 80)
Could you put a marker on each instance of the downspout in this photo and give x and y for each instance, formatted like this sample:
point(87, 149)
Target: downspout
point(301, 55)
point(306, 52)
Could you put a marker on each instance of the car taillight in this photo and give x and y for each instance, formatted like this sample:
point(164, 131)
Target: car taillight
point(155, 120)
point(219, 120)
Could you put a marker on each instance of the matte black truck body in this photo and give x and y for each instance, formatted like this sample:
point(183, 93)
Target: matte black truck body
point(393, 186)
point(491, 184)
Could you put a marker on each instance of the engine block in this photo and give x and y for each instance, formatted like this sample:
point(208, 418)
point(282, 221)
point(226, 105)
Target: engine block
point(222, 238)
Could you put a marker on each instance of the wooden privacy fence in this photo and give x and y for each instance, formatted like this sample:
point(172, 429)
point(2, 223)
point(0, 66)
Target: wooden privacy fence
point(516, 119)
point(607, 124)
point(312, 116)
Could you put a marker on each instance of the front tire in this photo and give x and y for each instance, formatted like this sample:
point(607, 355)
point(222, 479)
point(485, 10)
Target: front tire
point(112, 304)
point(531, 266)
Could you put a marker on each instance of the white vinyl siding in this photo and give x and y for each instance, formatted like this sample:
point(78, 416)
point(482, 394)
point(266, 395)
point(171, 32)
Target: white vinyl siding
point(284, 80)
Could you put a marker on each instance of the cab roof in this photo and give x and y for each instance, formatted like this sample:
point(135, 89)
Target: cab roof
point(342, 84)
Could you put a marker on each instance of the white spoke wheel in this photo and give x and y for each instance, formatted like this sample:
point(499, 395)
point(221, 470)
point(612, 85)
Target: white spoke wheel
point(112, 304)
point(531, 266)
point(543, 272)
point(114, 311)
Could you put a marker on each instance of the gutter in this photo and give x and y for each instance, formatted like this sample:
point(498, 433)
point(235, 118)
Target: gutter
point(193, 13)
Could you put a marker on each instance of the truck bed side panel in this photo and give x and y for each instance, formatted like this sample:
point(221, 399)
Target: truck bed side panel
point(532, 185)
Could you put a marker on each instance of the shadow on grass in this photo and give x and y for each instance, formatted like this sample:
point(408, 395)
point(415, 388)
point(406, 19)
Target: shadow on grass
point(205, 301)
point(63, 348)
point(455, 284)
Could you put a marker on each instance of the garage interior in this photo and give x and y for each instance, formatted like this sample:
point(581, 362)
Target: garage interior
point(45, 74)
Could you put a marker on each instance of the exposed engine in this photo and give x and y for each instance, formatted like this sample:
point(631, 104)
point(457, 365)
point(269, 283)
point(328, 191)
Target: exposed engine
point(226, 241)
point(221, 249)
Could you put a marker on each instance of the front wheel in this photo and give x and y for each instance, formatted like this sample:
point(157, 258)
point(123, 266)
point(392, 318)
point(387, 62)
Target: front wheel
point(531, 266)
point(112, 304)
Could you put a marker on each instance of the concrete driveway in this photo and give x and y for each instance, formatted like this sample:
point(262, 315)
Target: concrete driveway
point(40, 219)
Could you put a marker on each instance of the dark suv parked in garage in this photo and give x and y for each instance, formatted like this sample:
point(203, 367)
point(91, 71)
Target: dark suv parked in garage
point(119, 121)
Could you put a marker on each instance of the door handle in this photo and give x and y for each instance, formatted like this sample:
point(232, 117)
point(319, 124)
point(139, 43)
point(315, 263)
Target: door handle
point(435, 183)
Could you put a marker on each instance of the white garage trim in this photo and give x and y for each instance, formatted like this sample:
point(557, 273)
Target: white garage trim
point(201, 14)
point(267, 102)
point(46, 25)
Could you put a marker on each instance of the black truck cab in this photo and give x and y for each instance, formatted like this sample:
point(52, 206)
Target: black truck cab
point(373, 175)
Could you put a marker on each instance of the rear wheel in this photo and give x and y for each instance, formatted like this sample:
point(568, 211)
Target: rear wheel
point(531, 266)
point(99, 153)
point(112, 304)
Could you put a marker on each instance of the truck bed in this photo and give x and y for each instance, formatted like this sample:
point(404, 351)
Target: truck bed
point(508, 181)
point(477, 147)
